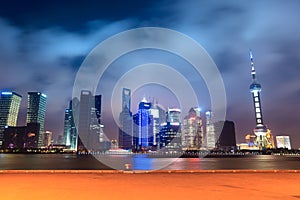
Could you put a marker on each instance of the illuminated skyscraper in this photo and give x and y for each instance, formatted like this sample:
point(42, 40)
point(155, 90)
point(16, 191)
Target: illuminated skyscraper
point(158, 117)
point(170, 133)
point(46, 139)
point(192, 132)
point(126, 99)
point(162, 113)
point(260, 131)
point(9, 110)
point(90, 130)
point(154, 117)
point(174, 115)
point(36, 110)
point(70, 131)
point(125, 129)
point(211, 137)
point(143, 128)
point(170, 137)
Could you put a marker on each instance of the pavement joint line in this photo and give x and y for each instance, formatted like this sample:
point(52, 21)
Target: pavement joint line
point(140, 171)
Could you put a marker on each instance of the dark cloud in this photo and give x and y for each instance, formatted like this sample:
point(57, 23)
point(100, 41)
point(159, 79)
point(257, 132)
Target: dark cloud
point(70, 15)
point(227, 30)
point(47, 60)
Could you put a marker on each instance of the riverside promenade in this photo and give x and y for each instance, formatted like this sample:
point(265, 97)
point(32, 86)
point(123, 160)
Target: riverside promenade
point(149, 185)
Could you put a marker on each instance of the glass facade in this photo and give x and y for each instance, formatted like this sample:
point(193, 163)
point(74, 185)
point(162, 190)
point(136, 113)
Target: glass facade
point(143, 127)
point(169, 139)
point(192, 132)
point(211, 138)
point(90, 130)
point(70, 130)
point(9, 110)
point(125, 118)
point(36, 110)
point(283, 142)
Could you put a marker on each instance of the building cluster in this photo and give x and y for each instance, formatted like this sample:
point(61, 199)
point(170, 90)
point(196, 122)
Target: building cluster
point(153, 128)
point(31, 135)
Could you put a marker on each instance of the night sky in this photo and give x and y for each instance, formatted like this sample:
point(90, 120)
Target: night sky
point(43, 44)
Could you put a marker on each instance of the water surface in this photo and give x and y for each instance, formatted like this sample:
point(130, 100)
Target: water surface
point(141, 162)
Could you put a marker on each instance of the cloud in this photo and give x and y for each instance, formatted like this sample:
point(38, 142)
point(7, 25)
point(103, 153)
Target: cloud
point(227, 30)
point(47, 59)
point(43, 60)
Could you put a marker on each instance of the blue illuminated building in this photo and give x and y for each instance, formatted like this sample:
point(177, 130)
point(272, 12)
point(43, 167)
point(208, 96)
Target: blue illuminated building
point(143, 128)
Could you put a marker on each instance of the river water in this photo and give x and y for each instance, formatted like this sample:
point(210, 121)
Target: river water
point(140, 162)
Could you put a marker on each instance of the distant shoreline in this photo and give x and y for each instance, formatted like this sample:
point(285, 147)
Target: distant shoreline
point(170, 155)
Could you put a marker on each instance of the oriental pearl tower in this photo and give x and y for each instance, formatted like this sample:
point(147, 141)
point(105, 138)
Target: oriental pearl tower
point(260, 130)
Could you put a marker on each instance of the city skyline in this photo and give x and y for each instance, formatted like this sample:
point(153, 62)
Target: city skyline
point(42, 53)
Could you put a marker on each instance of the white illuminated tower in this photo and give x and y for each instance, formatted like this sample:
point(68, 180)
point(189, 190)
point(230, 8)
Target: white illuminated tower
point(255, 88)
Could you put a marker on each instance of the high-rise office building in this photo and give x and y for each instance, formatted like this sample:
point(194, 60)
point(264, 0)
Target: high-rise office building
point(9, 110)
point(36, 110)
point(226, 140)
point(283, 142)
point(70, 130)
point(162, 114)
point(125, 129)
point(155, 122)
point(46, 139)
point(260, 130)
point(126, 123)
point(192, 131)
point(84, 119)
point(169, 137)
point(90, 130)
point(143, 128)
point(174, 115)
point(126, 99)
point(158, 117)
point(211, 137)
point(98, 111)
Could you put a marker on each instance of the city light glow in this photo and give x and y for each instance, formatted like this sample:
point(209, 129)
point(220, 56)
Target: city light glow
point(6, 93)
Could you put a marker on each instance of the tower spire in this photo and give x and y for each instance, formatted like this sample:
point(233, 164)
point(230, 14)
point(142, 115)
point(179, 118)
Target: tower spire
point(255, 88)
point(253, 72)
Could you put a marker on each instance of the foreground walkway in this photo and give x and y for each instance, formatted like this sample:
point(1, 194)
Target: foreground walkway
point(165, 185)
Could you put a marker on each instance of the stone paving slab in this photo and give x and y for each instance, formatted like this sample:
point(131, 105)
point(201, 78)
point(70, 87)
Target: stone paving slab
point(144, 185)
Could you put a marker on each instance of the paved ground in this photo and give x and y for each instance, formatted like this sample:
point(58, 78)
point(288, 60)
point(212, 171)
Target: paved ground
point(143, 186)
